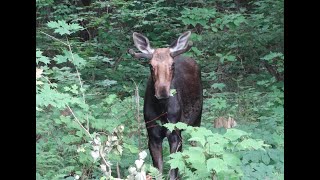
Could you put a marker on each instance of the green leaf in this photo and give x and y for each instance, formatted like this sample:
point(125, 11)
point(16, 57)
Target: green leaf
point(202, 140)
point(196, 51)
point(57, 121)
point(65, 119)
point(177, 161)
point(70, 139)
point(85, 158)
point(216, 164)
point(181, 125)
point(41, 58)
point(214, 148)
point(220, 86)
point(74, 89)
point(133, 149)
point(218, 103)
point(265, 158)
point(154, 172)
point(195, 156)
point(66, 88)
point(231, 159)
point(80, 134)
point(227, 57)
point(78, 61)
point(107, 83)
point(82, 90)
point(170, 126)
point(49, 96)
point(62, 28)
point(60, 59)
point(52, 24)
point(234, 134)
point(272, 55)
point(75, 27)
point(240, 19)
point(253, 156)
point(173, 92)
point(251, 144)
point(230, 58)
point(201, 173)
point(217, 138)
point(196, 37)
point(214, 29)
point(219, 55)
point(111, 98)
point(275, 155)
point(72, 57)
point(199, 134)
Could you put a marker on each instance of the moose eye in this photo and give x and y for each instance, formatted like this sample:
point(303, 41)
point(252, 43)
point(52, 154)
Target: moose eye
point(151, 67)
point(172, 66)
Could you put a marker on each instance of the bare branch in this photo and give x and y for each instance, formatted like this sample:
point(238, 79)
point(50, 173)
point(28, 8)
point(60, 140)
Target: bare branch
point(80, 81)
point(75, 117)
point(54, 38)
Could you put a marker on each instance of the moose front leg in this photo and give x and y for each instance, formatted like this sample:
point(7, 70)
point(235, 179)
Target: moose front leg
point(155, 146)
point(174, 138)
point(175, 143)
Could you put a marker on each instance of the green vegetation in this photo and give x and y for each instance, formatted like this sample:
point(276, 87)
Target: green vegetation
point(89, 90)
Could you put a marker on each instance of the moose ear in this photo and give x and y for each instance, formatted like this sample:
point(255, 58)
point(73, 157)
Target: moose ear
point(142, 43)
point(181, 43)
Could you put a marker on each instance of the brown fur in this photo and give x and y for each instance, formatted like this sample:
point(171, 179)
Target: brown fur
point(224, 122)
point(161, 63)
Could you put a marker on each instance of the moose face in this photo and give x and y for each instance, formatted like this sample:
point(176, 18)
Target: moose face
point(162, 61)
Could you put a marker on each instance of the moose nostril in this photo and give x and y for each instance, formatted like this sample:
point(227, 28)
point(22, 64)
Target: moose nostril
point(161, 97)
point(162, 93)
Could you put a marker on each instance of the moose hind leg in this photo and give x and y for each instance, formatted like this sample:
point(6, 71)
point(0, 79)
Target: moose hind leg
point(175, 143)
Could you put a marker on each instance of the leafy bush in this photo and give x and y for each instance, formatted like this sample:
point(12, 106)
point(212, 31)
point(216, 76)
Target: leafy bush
point(88, 88)
point(216, 154)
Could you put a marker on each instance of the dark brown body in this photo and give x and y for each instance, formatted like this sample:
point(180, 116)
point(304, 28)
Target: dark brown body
point(169, 71)
point(184, 106)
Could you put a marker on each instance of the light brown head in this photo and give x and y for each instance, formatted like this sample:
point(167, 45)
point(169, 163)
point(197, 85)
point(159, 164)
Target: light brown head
point(161, 60)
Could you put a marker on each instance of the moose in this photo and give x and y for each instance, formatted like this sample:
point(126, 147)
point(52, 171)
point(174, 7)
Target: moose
point(169, 71)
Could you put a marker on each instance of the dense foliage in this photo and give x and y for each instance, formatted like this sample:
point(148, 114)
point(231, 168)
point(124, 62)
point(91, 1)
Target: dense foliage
point(89, 90)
